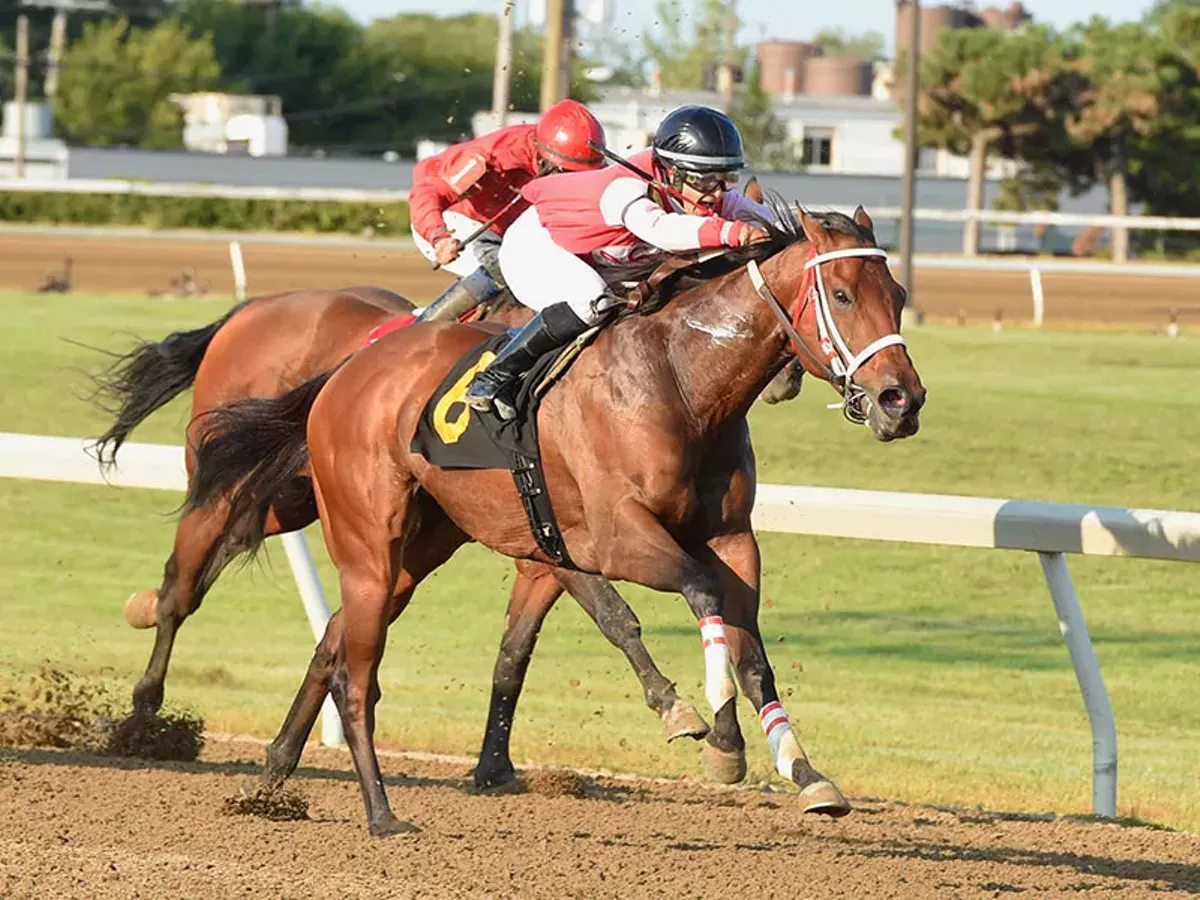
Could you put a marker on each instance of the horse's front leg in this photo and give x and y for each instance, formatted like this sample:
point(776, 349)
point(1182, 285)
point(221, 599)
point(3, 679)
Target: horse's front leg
point(737, 559)
point(643, 551)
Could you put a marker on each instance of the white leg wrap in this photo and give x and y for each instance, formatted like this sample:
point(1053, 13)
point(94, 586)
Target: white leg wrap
point(718, 682)
point(785, 749)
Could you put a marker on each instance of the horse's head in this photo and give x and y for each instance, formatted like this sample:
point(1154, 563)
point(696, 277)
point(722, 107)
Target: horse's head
point(848, 317)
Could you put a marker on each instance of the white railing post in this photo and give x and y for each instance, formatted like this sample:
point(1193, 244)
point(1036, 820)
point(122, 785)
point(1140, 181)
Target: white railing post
point(1091, 683)
point(1039, 299)
point(239, 270)
point(317, 610)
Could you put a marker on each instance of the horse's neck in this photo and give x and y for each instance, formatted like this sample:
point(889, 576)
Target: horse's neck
point(725, 344)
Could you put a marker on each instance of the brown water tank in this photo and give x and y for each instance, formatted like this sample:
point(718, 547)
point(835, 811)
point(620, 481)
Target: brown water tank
point(781, 66)
point(934, 19)
point(1006, 19)
point(827, 76)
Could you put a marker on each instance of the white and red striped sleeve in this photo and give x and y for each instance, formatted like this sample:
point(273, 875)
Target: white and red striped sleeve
point(625, 202)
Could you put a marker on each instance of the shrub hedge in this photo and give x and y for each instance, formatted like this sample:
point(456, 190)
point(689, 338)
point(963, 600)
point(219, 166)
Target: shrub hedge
point(387, 220)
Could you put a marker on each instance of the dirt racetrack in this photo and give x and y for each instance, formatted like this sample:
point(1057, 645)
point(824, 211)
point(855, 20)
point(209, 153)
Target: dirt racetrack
point(131, 264)
point(75, 826)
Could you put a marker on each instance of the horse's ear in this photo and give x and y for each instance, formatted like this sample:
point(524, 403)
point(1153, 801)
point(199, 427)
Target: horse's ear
point(817, 234)
point(862, 220)
point(753, 190)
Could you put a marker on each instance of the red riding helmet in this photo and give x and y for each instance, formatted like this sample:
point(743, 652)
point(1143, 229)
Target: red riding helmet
point(563, 135)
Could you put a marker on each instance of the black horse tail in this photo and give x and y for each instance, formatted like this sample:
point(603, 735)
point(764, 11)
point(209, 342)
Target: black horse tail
point(251, 452)
point(146, 378)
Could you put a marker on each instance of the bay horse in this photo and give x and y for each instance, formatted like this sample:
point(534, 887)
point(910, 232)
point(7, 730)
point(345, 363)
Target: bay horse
point(648, 461)
point(261, 348)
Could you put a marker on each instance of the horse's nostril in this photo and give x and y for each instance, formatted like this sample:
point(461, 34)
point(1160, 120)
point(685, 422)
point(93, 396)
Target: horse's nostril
point(894, 400)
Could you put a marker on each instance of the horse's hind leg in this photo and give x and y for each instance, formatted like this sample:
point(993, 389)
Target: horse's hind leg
point(434, 543)
point(737, 559)
point(194, 564)
point(533, 595)
point(201, 552)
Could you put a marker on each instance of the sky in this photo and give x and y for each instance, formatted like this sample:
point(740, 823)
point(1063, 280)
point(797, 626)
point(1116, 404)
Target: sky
point(790, 19)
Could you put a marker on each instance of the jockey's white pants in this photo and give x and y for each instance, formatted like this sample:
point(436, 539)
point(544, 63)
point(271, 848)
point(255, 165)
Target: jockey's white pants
point(540, 273)
point(471, 258)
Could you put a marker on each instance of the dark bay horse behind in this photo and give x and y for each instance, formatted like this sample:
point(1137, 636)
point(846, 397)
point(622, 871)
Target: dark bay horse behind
point(647, 456)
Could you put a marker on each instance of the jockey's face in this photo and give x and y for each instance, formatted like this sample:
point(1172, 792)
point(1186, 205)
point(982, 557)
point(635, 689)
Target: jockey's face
point(703, 191)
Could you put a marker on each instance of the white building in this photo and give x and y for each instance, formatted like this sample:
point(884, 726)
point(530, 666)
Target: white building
point(859, 135)
point(45, 155)
point(247, 124)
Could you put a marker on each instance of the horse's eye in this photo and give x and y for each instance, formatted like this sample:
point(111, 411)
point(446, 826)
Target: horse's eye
point(841, 297)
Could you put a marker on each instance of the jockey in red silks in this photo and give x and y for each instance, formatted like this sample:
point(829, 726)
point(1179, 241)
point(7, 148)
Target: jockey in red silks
point(458, 190)
point(583, 229)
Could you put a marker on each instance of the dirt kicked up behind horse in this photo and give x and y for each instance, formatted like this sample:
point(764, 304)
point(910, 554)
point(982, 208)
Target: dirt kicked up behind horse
point(647, 456)
point(261, 348)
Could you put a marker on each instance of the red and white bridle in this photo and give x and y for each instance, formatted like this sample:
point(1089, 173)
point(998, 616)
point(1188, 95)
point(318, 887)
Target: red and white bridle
point(840, 362)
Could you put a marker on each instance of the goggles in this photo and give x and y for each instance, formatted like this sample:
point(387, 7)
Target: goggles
point(707, 182)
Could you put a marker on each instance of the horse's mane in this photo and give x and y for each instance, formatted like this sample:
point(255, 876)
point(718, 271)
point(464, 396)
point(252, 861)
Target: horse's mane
point(785, 231)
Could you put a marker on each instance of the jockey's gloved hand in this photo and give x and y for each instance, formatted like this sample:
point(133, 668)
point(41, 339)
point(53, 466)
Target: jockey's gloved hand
point(754, 236)
point(447, 250)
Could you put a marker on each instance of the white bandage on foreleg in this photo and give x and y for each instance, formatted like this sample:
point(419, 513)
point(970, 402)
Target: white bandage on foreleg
point(718, 683)
point(785, 749)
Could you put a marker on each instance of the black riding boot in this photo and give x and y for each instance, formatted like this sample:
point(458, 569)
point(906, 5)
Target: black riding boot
point(461, 297)
point(554, 327)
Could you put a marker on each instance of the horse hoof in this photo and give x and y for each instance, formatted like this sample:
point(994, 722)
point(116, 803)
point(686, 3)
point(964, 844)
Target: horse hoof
point(141, 609)
point(726, 766)
point(682, 720)
point(824, 798)
point(389, 825)
point(499, 781)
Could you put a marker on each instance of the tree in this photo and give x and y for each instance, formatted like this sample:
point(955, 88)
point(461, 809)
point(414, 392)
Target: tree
point(314, 59)
point(621, 57)
point(837, 42)
point(1131, 96)
point(116, 82)
point(368, 90)
point(985, 91)
point(683, 56)
point(1160, 11)
point(766, 141)
point(442, 68)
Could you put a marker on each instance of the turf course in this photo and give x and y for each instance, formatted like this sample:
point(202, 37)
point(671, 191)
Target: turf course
point(919, 673)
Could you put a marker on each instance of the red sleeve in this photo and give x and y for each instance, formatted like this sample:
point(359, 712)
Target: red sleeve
point(431, 195)
point(439, 181)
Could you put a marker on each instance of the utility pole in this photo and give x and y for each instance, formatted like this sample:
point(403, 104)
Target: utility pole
point(726, 69)
point(911, 150)
point(568, 52)
point(58, 44)
point(21, 92)
point(556, 55)
point(58, 33)
point(503, 76)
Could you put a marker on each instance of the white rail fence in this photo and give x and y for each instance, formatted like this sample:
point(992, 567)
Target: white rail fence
point(1049, 529)
point(378, 195)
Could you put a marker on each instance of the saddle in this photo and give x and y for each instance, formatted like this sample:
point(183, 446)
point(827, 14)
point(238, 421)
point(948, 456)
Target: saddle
point(451, 435)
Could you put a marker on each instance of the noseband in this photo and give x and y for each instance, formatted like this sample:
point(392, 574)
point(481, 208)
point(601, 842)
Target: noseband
point(840, 362)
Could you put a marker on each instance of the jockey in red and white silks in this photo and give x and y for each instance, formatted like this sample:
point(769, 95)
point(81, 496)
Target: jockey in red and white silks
point(586, 231)
point(457, 192)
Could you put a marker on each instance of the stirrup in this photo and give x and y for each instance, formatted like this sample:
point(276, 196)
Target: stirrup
point(489, 395)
